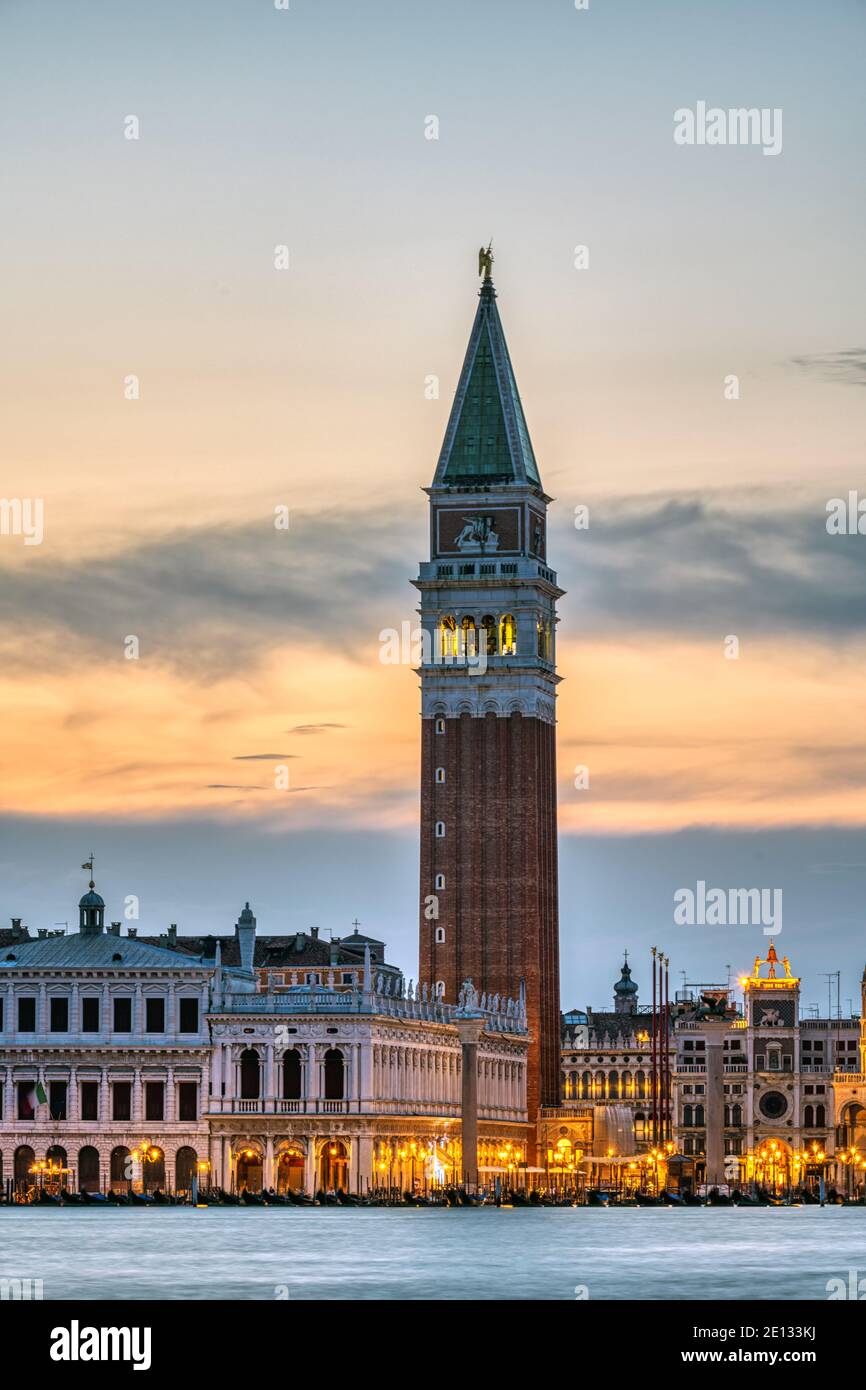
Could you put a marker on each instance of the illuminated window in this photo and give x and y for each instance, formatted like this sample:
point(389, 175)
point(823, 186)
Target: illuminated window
point(507, 635)
point(440, 830)
point(448, 636)
point(440, 726)
point(488, 635)
point(467, 636)
point(440, 774)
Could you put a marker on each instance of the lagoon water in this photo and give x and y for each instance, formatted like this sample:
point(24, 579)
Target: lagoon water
point(413, 1253)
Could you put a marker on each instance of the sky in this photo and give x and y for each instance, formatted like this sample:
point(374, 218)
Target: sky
point(168, 392)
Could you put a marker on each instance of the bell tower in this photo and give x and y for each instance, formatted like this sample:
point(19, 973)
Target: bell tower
point(489, 907)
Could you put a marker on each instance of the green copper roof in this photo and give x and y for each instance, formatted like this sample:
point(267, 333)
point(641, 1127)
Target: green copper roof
point(487, 438)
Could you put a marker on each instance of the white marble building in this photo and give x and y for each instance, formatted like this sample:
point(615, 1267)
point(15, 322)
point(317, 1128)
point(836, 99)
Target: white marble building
point(125, 1062)
point(105, 1044)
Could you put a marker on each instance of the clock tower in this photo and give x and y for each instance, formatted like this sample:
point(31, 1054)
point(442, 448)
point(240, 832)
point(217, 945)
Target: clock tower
point(488, 906)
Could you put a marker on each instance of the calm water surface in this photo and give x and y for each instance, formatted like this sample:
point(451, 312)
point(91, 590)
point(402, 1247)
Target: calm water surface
point(329, 1253)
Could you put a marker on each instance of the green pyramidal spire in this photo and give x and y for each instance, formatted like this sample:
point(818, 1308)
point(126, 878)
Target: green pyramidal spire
point(487, 439)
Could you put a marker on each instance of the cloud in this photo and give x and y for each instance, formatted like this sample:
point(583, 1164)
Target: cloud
point(841, 368)
point(708, 567)
point(234, 787)
point(260, 757)
point(211, 602)
point(313, 729)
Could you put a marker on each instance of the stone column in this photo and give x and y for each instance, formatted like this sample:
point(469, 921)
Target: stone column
point(469, 1031)
point(310, 1183)
point(714, 1109)
point(269, 1076)
point(170, 1107)
point(268, 1168)
point(362, 1176)
point(72, 1095)
point(313, 1091)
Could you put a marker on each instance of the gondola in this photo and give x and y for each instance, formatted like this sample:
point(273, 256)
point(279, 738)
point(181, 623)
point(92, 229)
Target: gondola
point(595, 1198)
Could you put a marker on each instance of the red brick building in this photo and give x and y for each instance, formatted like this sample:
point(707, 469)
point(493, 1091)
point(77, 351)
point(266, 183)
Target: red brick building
point(488, 906)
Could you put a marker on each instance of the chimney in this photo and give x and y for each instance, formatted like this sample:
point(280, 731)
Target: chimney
point(314, 932)
point(245, 931)
point(16, 930)
point(132, 931)
point(172, 934)
point(114, 929)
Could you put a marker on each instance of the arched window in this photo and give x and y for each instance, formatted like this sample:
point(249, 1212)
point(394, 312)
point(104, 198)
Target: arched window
point(548, 640)
point(439, 881)
point(539, 627)
point(335, 1074)
point(120, 1169)
point(488, 635)
point(440, 989)
point(153, 1170)
point(809, 1117)
point(586, 1086)
point(640, 1081)
point(507, 635)
point(440, 726)
point(688, 1115)
point(736, 1114)
point(250, 1074)
point(468, 642)
point(440, 830)
point(24, 1160)
point(184, 1168)
point(820, 1116)
point(448, 636)
point(439, 935)
point(88, 1169)
point(440, 774)
point(292, 1075)
point(613, 1085)
point(699, 1116)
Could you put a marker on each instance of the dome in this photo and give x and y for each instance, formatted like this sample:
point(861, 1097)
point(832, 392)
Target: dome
point(91, 899)
point(625, 985)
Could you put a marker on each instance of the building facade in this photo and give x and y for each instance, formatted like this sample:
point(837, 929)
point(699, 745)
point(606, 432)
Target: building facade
point(488, 879)
point(104, 1057)
point(784, 1091)
point(125, 1064)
